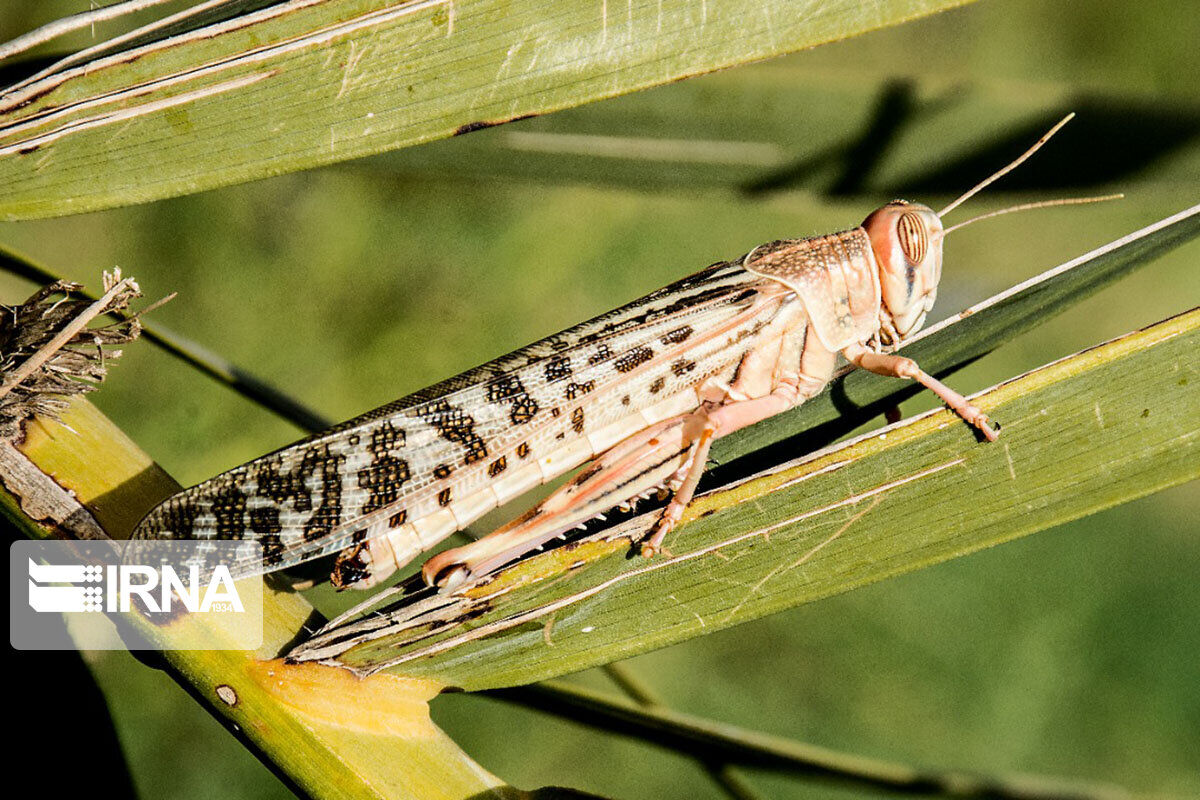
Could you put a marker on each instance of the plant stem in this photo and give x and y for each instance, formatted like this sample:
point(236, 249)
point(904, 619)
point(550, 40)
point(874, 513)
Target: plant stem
point(721, 772)
point(31, 364)
point(732, 744)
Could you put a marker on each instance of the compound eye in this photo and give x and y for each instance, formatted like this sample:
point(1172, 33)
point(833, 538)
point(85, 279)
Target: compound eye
point(914, 239)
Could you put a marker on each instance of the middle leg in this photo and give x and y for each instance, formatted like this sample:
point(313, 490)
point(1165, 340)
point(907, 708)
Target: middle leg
point(797, 367)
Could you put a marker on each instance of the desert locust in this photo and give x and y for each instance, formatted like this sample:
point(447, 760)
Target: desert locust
point(637, 395)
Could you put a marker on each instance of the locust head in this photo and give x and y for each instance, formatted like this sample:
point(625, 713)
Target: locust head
point(907, 241)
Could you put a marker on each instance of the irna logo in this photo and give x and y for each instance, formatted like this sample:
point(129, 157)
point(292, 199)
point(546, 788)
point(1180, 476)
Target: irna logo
point(112, 588)
point(98, 594)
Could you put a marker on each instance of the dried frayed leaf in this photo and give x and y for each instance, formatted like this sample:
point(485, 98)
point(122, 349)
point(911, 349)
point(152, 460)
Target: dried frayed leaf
point(48, 352)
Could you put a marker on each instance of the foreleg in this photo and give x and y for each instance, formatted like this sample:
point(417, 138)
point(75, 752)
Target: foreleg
point(900, 367)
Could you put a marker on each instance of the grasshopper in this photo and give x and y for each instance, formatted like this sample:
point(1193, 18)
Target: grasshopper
point(640, 392)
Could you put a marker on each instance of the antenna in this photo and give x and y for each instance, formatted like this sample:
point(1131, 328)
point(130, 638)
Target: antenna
point(1002, 172)
point(1066, 201)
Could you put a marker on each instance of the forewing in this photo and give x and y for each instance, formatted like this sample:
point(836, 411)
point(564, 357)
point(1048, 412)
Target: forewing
point(402, 460)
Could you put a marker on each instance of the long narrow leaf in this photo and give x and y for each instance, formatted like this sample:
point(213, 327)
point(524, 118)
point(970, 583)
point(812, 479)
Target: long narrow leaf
point(302, 83)
point(782, 126)
point(1100, 428)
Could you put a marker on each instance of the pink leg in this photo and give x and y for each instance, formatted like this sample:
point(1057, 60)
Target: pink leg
point(636, 464)
point(669, 518)
point(764, 366)
point(718, 422)
point(900, 367)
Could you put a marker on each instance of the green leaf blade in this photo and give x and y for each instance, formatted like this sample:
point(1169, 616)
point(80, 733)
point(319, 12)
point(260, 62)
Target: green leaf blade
point(310, 83)
point(1102, 427)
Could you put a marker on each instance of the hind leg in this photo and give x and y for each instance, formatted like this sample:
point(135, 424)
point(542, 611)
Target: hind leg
point(638, 464)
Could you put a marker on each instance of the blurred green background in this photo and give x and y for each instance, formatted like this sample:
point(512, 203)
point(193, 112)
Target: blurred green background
point(1073, 652)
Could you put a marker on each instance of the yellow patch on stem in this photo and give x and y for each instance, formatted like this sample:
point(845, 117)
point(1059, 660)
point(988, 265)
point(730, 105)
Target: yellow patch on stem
point(383, 704)
point(90, 456)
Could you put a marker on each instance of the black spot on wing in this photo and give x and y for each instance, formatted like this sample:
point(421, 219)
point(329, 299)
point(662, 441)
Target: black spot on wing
point(602, 353)
point(328, 514)
point(574, 389)
point(633, 359)
point(678, 335)
point(265, 521)
point(178, 516)
point(272, 549)
point(509, 387)
point(558, 368)
point(455, 425)
point(286, 487)
point(387, 472)
point(682, 367)
point(291, 487)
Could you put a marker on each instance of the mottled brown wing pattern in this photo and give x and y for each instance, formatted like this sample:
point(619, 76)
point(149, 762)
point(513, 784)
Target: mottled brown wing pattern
point(410, 457)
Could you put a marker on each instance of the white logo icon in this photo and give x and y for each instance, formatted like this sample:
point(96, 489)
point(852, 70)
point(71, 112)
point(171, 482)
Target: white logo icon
point(65, 598)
